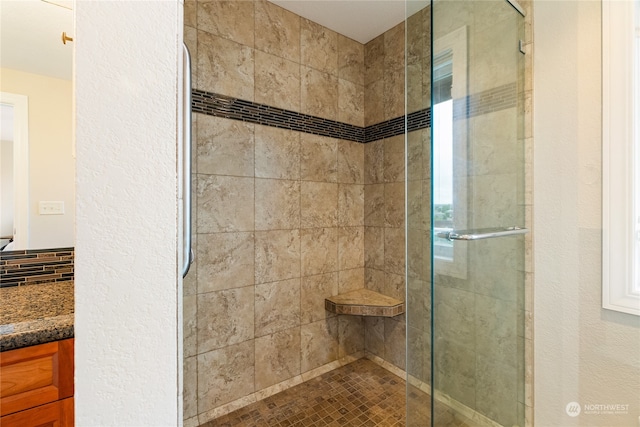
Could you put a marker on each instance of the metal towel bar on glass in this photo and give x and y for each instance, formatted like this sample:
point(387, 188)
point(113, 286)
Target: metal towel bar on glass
point(482, 233)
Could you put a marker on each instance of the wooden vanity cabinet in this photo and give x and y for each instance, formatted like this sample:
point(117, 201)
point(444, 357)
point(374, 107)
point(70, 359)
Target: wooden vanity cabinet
point(37, 385)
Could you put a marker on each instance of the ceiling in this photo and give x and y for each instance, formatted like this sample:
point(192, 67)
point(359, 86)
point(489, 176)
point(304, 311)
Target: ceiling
point(30, 37)
point(361, 20)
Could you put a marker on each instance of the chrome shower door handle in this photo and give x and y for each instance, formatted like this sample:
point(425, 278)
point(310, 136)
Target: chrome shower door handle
point(187, 252)
point(482, 233)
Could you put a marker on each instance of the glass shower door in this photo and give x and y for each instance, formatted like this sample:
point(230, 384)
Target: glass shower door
point(473, 212)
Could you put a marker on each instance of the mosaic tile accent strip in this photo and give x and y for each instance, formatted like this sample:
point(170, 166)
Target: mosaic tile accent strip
point(34, 266)
point(364, 302)
point(213, 104)
point(491, 100)
point(233, 108)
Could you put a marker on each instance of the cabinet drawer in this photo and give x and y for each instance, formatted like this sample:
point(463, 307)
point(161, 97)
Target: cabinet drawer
point(56, 414)
point(36, 375)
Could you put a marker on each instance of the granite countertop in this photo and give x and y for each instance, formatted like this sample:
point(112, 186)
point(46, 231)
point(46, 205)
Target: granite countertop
point(35, 314)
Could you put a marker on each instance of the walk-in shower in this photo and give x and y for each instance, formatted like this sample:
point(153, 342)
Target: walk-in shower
point(323, 166)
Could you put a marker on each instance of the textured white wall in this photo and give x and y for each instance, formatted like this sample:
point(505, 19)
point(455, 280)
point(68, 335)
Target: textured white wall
point(51, 163)
point(582, 352)
point(127, 329)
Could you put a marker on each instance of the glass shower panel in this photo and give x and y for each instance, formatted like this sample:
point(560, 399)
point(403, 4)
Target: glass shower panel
point(465, 293)
point(418, 208)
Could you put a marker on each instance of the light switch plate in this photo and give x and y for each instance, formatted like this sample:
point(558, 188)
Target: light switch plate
point(51, 208)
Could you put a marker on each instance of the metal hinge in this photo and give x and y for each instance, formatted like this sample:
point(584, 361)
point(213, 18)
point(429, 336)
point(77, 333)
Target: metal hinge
point(521, 47)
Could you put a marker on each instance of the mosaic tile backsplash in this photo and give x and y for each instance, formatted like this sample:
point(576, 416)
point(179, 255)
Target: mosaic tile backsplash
point(30, 267)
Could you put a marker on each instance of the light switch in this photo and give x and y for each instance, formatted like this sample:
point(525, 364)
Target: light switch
point(51, 208)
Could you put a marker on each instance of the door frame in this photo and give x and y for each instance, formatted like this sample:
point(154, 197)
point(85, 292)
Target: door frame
point(20, 104)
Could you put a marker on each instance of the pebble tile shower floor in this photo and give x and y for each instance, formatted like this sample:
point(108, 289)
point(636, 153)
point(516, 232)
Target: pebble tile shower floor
point(358, 394)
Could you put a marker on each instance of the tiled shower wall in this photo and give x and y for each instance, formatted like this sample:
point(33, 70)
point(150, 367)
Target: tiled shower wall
point(384, 192)
point(279, 216)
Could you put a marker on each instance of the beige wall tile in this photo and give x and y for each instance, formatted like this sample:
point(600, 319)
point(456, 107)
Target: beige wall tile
point(394, 286)
point(277, 153)
point(350, 162)
point(416, 100)
point(319, 93)
point(350, 103)
point(374, 279)
point(233, 20)
point(190, 325)
point(417, 206)
point(417, 38)
point(493, 200)
point(501, 384)
point(314, 291)
point(225, 67)
point(227, 261)
point(318, 47)
point(496, 330)
point(394, 41)
point(393, 94)
point(319, 250)
point(418, 304)
point(350, 280)
point(374, 209)
point(225, 375)
point(394, 159)
point(191, 13)
point(416, 256)
point(395, 348)
point(350, 60)
point(318, 204)
point(224, 204)
point(277, 357)
point(455, 308)
point(455, 370)
point(374, 247)
point(374, 162)
point(394, 204)
point(418, 151)
point(277, 31)
point(277, 81)
point(350, 335)
point(277, 204)
point(225, 318)
point(350, 248)
point(319, 343)
point(417, 352)
point(492, 148)
point(350, 204)
point(277, 306)
point(374, 335)
point(277, 255)
point(190, 387)
point(374, 99)
point(224, 146)
point(394, 253)
point(374, 60)
point(319, 158)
